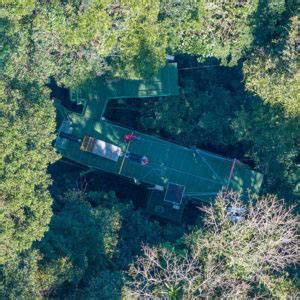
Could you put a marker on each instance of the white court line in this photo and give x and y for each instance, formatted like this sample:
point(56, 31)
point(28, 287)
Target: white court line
point(158, 166)
point(188, 174)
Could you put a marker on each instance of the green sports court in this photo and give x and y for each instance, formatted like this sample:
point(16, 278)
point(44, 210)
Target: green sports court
point(172, 169)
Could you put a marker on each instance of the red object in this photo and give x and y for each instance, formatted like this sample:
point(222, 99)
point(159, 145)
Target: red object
point(230, 174)
point(129, 137)
point(144, 161)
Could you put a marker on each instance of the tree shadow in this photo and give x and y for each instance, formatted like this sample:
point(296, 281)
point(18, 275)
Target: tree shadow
point(138, 230)
point(76, 248)
point(271, 23)
point(145, 63)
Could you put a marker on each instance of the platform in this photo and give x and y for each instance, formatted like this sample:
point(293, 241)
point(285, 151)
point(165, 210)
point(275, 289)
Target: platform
point(201, 173)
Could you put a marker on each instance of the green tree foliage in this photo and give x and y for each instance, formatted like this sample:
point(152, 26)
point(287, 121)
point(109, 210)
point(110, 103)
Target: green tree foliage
point(105, 285)
point(14, 10)
point(275, 76)
point(92, 239)
point(196, 117)
point(76, 251)
point(27, 124)
point(18, 277)
point(60, 40)
point(73, 40)
point(271, 19)
point(28, 277)
point(230, 258)
point(273, 140)
point(86, 235)
point(221, 29)
point(141, 40)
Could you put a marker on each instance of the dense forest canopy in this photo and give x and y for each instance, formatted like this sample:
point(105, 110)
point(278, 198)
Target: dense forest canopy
point(67, 236)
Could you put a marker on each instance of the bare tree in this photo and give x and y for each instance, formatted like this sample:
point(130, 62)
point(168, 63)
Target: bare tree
point(161, 273)
point(242, 245)
point(263, 237)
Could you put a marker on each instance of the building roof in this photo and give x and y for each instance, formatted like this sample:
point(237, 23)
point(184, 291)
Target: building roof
point(202, 173)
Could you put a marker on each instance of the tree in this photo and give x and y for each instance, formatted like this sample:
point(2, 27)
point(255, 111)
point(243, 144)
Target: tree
point(86, 235)
point(275, 76)
point(272, 138)
point(257, 249)
point(141, 41)
point(64, 40)
point(105, 285)
point(195, 117)
point(18, 277)
point(204, 113)
point(164, 274)
point(27, 125)
point(264, 241)
point(243, 250)
point(12, 10)
point(27, 277)
point(73, 40)
point(76, 250)
point(96, 237)
point(221, 29)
